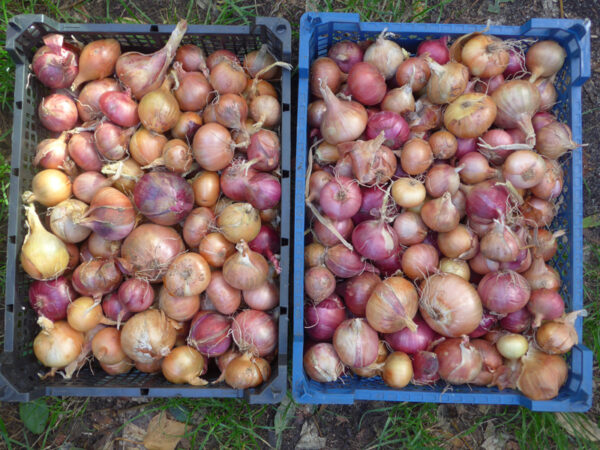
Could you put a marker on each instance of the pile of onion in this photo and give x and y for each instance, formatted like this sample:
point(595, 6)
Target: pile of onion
point(161, 175)
point(431, 200)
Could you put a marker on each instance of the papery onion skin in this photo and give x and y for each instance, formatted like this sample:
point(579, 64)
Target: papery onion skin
point(440, 310)
point(58, 345)
point(247, 371)
point(147, 336)
point(322, 319)
point(541, 375)
point(319, 283)
point(210, 333)
point(392, 305)
point(149, 249)
point(184, 365)
point(97, 60)
point(504, 292)
point(111, 214)
point(411, 342)
point(459, 361)
point(255, 331)
point(470, 115)
point(356, 343)
point(322, 363)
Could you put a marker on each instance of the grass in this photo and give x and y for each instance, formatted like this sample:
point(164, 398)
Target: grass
point(232, 423)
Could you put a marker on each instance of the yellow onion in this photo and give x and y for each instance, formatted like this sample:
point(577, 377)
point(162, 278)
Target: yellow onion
point(148, 336)
point(397, 370)
point(43, 255)
point(247, 371)
point(159, 110)
point(57, 345)
point(470, 115)
point(50, 187)
point(239, 221)
point(558, 336)
point(184, 365)
point(541, 375)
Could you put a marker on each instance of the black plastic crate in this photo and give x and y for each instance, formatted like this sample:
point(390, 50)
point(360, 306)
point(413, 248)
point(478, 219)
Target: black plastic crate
point(18, 366)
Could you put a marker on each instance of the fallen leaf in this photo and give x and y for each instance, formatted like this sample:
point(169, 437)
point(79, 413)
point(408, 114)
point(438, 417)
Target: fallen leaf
point(591, 221)
point(163, 433)
point(34, 415)
point(494, 440)
point(579, 426)
point(341, 419)
point(133, 433)
point(309, 437)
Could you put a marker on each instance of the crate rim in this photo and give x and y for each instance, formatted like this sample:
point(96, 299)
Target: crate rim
point(275, 389)
point(580, 29)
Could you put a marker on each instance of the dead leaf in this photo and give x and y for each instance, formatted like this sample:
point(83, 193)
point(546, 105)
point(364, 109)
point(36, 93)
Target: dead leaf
point(579, 426)
point(309, 437)
point(494, 440)
point(341, 419)
point(163, 433)
point(133, 433)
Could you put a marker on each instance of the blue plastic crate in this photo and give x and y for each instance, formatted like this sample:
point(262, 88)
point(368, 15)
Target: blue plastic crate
point(318, 31)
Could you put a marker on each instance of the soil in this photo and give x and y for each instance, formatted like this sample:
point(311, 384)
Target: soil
point(341, 425)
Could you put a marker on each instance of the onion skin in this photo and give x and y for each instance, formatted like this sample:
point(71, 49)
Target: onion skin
point(541, 375)
point(180, 309)
point(247, 371)
point(88, 103)
point(188, 275)
point(210, 333)
point(56, 63)
point(149, 249)
point(43, 255)
point(411, 342)
point(83, 151)
point(322, 319)
point(470, 115)
point(504, 292)
point(225, 298)
point(58, 345)
point(322, 363)
point(148, 336)
point(111, 214)
point(440, 310)
point(255, 331)
point(51, 298)
point(419, 261)
point(245, 269)
point(164, 198)
point(460, 362)
point(392, 305)
point(97, 60)
point(347, 341)
point(184, 365)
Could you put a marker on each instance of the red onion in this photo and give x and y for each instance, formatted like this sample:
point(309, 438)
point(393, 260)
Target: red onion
point(465, 146)
point(263, 191)
point(120, 108)
point(264, 150)
point(357, 290)
point(413, 71)
point(412, 342)
point(481, 265)
point(442, 178)
point(267, 244)
point(487, 201)
point(375, 239)
point(96, 277)
point(136, 295)
point(56, 63)
point(545, 304)
point(344, 263)
point(356, 343)
point(88, 103)
point(111, 214)
point(394, 126)
point(340, 198)
point(390, 266)
point(488, 321)
point(541, 119)
point(322, 319)
point(264, 297)
point(437, 49)
point(57, 112)
point(504, 292)
point(495, 145)
point(112, 141)
point(163, 197)
point(516, 63)
point(255, 331)
point(51, 298)
point(83, 151)
point(346, 54)
point(326, 237)
point(517, 321)
point(419, 261)
point(425, 367)
point(52, 153)
point(210, 333)
point(366, 83)
point(114, 309)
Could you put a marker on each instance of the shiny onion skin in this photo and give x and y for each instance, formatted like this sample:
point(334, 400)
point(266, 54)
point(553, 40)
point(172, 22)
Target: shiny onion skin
point(356, 343)
point(442, 312)
point(392, 305)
